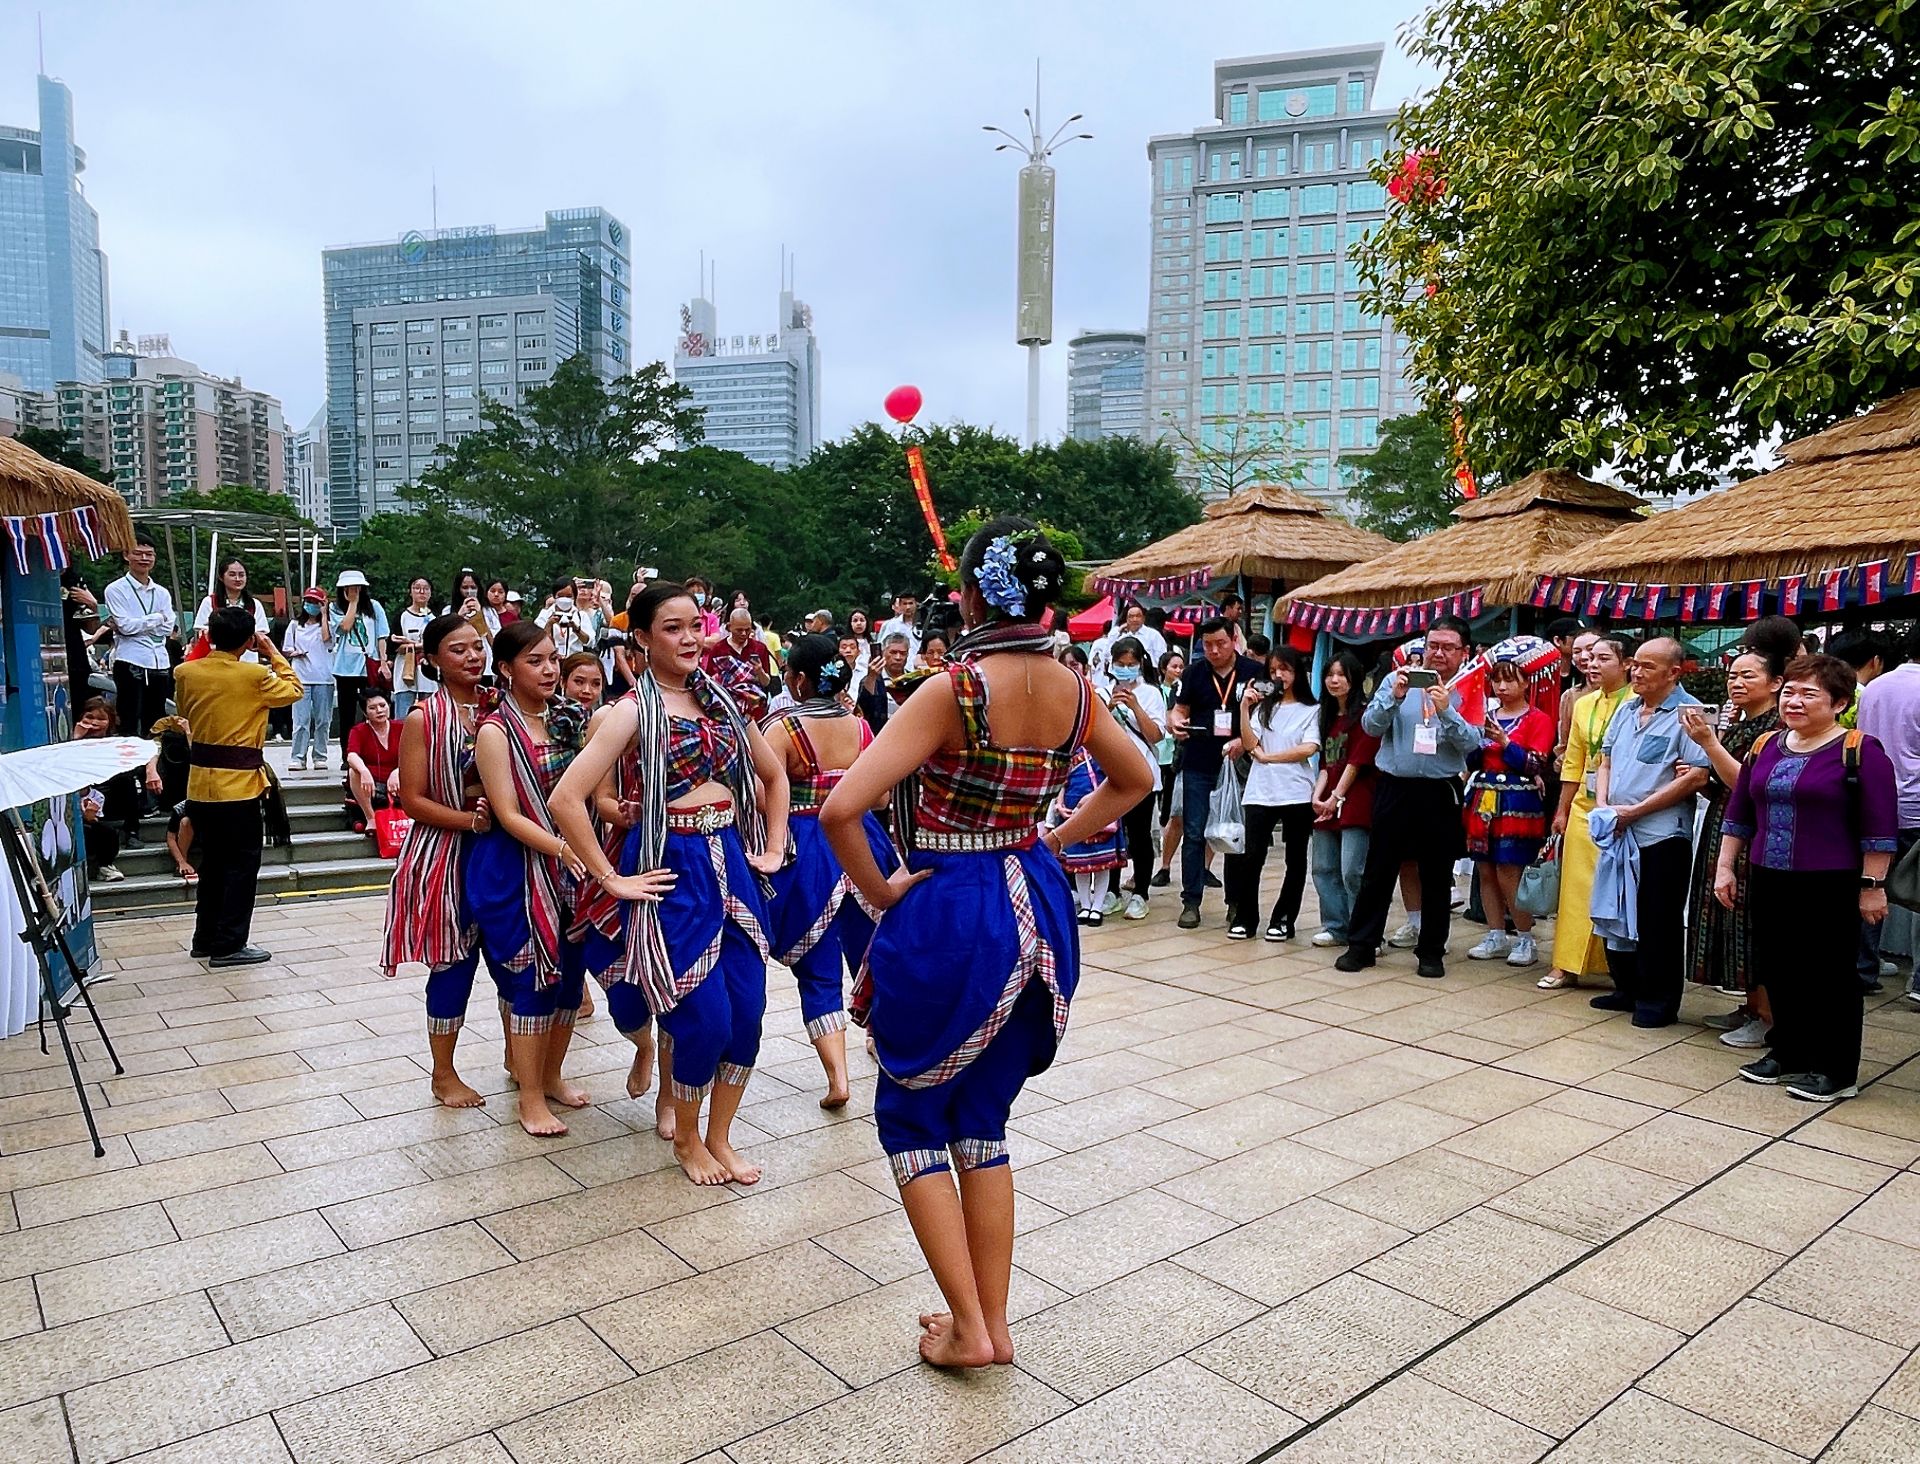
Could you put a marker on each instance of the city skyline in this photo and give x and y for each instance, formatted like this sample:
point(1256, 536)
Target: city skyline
point(849, 142)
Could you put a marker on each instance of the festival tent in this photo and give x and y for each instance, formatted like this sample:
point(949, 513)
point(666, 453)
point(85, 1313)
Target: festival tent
point(1837, 527)
point(1493, 556)
point(1089, 623)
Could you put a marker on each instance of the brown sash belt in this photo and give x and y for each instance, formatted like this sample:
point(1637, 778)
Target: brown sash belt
point(231, 759)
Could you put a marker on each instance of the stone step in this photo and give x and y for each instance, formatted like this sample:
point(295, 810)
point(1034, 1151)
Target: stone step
point(166, 894)
point(310, 845)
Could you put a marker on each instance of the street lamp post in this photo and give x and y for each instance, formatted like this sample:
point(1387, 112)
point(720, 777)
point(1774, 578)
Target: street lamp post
point(1033, 320)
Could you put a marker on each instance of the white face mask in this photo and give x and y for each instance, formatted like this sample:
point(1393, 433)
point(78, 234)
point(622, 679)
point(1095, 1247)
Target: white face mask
point(563, 605)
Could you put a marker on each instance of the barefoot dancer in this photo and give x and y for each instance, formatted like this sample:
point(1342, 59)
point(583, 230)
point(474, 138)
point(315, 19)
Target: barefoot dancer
point(695, 950)
point(968, 977)
point(818, 924)
point(520, 875)
point(427, 920)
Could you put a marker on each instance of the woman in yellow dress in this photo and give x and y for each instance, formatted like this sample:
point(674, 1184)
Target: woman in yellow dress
point(1577, 951)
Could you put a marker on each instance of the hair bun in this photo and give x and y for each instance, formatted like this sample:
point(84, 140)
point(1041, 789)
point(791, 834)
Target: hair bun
point(1040, 569)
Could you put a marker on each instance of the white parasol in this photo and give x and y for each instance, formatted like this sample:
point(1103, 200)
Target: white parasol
point(35, 773)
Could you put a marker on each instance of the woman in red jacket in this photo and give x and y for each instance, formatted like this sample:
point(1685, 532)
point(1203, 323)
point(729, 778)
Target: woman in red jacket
point(1506, 809)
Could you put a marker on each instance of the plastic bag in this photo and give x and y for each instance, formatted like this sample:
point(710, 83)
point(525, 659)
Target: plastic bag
point(1539, 892)
point(1226, 823)
point(390, 829)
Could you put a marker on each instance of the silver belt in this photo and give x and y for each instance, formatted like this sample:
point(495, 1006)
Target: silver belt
point(991, 841)
point(709, 818)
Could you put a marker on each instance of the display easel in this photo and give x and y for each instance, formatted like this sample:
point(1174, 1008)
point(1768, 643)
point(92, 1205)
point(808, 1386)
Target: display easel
point(45, 933)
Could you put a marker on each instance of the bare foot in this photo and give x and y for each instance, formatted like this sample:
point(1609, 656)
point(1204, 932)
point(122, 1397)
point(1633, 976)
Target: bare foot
point(452, 1092)
point(538, 1119)
point(836, 1097)
point(738, 1170)
point(700, 1166)
point(586, 1006)
point(942, 1346)
point(573, 1096)
point(640, 1075)
point(938, 1324)
point(664, 1118)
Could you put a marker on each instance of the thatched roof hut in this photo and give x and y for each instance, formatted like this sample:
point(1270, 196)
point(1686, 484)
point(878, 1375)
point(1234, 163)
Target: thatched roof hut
point(1494, 555)
point(31, 485)
point(1842, 517)
point(1262, 532)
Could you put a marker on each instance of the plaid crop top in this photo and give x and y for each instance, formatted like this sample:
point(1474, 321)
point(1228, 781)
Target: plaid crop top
point(699, 750)
point(983, 788)
point(810, 790)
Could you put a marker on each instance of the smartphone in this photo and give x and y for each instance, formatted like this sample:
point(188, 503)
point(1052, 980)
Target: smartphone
point(1420, 678)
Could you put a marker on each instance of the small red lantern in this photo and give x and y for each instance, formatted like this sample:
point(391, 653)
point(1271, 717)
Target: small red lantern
point(903, 403)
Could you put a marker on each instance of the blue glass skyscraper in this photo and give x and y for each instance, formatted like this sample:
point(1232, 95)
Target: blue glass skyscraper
point(53, 277)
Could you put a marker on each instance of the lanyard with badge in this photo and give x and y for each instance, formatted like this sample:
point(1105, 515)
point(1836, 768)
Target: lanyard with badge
point(1223, 714)
point(1426, 736)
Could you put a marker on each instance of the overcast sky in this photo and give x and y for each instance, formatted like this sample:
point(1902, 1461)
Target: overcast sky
point(228, 143)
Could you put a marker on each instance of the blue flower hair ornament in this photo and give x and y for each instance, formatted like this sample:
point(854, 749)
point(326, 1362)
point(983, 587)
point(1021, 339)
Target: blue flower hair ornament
point(999, 583)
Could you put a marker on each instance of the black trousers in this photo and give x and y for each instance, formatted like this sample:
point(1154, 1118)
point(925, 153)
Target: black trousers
point(1142, 847)
point(103, 844)
point(140, 696)
point(1803, 949)
point(1654, 973)
point(1294, 823)
point(346, 700)
point(229, 837)
point(1418, 821)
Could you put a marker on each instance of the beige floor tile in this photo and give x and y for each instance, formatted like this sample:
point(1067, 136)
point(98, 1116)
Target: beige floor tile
point(1413, 1421)
point(1383, 1133)
point(798, 1157)
point(256, 1441)
point(767, 1219)
point(1833, 1373)
point(1105, 1243)
point(1531, 1140)
point(278, 1194)
point(426, 1407)
point(410, 1043)
point(1311, 1354)
point(372, 1136)
point(1066, 1082)
point(1293, 1250)
point(341, 1283)
point(1672, 1274)
point(1220, 1081)
point(68, 1127)
point(47, 1168)
point(1588, 1198)
point(1328, 1048)
point(888, 1420)
point(1618, 1114)
point(1858, 1175)
point(71, 1242)
point(1089, 1121)
point(1854, 1280)
point(35, 1433)
point(205, 1135)
point(202, 1079)
point(620, 1157)
point(518, 1298)
point(1648, 1430)
point(1475, 1261)
point(486, 1449)
point(399, 1212)
point(1262, 1180)
point(884, 1249)
point(1235, 1127)
point(349, 1082)
point(1525, 1028)
point(1089, 1177)
point(1208, 1044)
point(1893, 1213)
point(1690, 1150)
point(1876, 1437)
point(1642, 1090)
point(1859, 1143)
point(19, 1309)
point(1689, 1065)
point(1482, 1094)
point(1552, 1360)
point(261, 1044)
point(1422, 1190)
point(1881, 1109)
point(1902, 1391)
point(1115, 1333)
point(1764, 1207)
point(728, 1302)
point(505, 1143)
point(546, 1226)
point(1352, 1085)
point(1431, 1023)
point(117, 1282)
point(162, 1181)
point(1759, 1108)
point(1564, 1060)
point(876, 1333)
point(1177, 1414)
point(61, 1359)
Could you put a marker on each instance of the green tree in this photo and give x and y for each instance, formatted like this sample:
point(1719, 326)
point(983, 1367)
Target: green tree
point(58, 445)
point(394, 547)
point(1227, 454)
point(238, 498)
point(1406, 487)
point(1666, 229)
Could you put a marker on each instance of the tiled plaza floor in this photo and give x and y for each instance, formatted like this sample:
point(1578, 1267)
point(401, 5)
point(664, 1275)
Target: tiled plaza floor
point(1266, 1210)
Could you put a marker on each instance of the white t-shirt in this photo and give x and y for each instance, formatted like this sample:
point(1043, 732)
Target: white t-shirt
point(413, 625)
point(1155, 706)
point(309, 652)
point(1274, 785)
point(1151, 641)
point(573, 630)
point(260, 622)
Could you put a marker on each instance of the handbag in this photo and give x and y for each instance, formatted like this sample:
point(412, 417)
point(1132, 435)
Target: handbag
point(1903, 880)
point(390, 829)
point(1226, 821)
point(1539, 892)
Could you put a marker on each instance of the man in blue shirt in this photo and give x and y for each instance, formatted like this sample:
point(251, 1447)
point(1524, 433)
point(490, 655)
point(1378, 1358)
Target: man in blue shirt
point(1204, 716)
point(1650, 774)
point(1424, 742)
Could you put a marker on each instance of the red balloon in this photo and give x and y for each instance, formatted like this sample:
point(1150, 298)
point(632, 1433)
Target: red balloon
point(903, 403)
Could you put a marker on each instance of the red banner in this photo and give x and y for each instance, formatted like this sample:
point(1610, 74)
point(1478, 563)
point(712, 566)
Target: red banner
point(917, 470)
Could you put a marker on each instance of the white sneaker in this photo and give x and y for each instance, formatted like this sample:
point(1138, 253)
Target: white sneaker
point(1327, 938)
point(1405, 938)
point(1111, 904)
point(1493, 945)
point(1137, 908)
point(1754, 1034)
point(107, 874)
point(1523, 952)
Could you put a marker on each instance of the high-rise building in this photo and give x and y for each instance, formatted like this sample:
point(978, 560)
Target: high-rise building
point(18, 406)
point(420, 330)
point(164, 426)
point(758, 396)
point(1256, 330)
point(1106, 384)
point(307, 470)
point(53, 277)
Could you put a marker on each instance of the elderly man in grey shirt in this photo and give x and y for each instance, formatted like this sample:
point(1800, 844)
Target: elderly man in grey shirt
point(1650, 774)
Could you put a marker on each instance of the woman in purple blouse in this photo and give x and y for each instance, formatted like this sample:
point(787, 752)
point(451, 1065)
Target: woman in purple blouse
point(1817, 854)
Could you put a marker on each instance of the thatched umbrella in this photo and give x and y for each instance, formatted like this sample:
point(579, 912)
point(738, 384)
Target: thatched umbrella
point(1841, 518)
point(1263, 532)
point(1494, 555)
point(31, 485)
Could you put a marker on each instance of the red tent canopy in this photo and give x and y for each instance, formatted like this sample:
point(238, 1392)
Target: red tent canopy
point(1092, 621)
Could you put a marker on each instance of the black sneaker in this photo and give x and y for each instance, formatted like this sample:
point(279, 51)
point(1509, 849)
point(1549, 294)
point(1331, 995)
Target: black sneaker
point(1352, 959)
point(1189, 917)
point(1280, 930)
point(1767, 1070)
point(1818, 1088)
point(1432, 970)
point(1213, 880)
point(1239, 932)
point(1161, 879)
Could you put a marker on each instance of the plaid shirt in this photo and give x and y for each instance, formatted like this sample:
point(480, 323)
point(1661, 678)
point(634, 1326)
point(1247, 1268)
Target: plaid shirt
point(699, 751)
point(810, 789)
point(981, 788)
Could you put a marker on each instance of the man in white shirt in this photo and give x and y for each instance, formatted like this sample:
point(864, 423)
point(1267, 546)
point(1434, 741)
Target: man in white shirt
point(905, 609)
point(141, 614)
point(572, 620)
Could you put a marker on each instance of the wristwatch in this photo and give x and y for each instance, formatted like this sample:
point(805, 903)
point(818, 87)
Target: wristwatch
point(1868, 882)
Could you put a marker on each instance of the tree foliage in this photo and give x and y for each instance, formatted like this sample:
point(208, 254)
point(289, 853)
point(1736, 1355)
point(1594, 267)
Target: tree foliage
point(1228, 454)
point(1406, 485)
point(58, 445)
point(1666, 229)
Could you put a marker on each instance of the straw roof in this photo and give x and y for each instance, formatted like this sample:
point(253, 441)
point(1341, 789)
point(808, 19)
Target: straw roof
point(31, 484)
point(1502, 542)
point(1265, 532)
point(1848, 495)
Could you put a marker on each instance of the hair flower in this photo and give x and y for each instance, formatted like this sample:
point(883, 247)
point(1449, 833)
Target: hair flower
point(998, 583)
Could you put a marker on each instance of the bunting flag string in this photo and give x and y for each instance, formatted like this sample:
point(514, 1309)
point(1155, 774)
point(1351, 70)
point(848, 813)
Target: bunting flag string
point(51, 542)
point(1161, 587)
point(24, 529)
point(17, 535)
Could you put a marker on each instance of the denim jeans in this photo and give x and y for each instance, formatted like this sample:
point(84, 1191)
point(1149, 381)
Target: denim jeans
point(403, 702)
point(1339, 857)
point(313, 719)
point(1196, 793)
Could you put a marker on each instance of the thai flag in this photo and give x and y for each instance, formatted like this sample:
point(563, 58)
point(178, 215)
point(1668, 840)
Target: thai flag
point(1543, 592)
point(51, 543)
point(1873, 582)
point(88, 523)
point(1596, 596)
point(1656, 597)
point(1790, 588)
point(1623, 597)
point(17, 533)
point(1717, 600)
point(1754, 590)
point(1832, 583)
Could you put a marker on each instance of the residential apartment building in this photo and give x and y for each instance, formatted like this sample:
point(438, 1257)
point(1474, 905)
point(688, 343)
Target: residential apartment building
point(1106, 384)
point(1257, 336)
point(307, 470)
point(421, 330)
point(53, 275)
point(757, 396)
